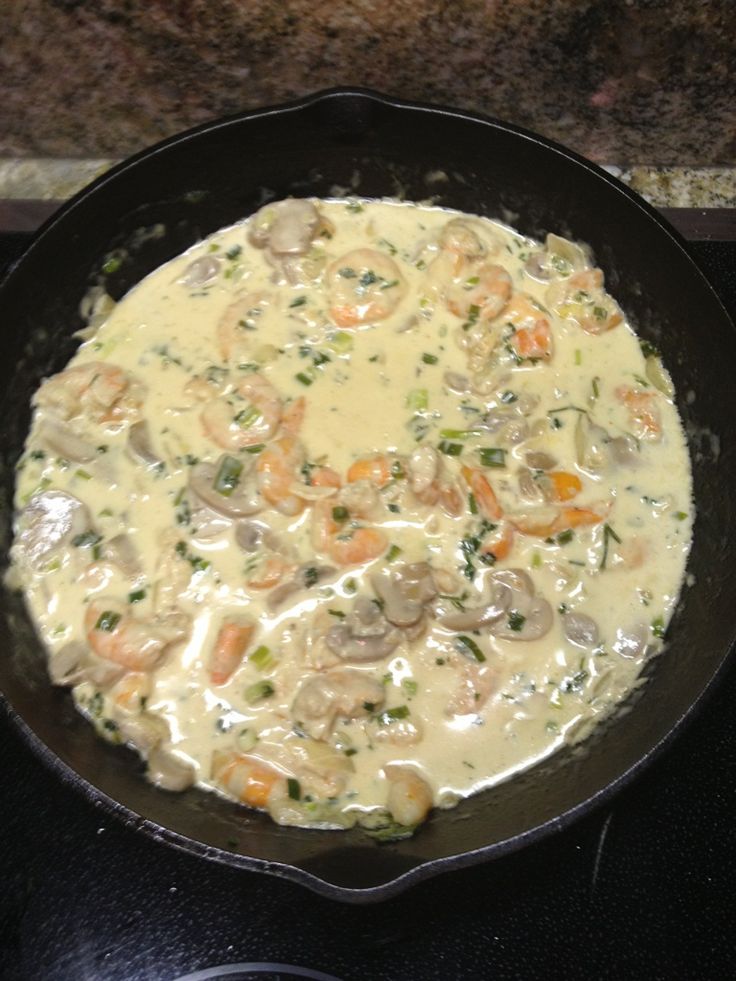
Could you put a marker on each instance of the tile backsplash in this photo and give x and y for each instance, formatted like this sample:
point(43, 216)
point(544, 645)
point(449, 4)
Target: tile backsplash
point(620, 81)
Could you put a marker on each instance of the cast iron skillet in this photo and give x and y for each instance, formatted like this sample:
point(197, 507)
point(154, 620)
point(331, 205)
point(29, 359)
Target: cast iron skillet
point(152, 207)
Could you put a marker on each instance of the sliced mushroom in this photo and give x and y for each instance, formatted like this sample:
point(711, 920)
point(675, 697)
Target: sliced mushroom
point(404, 592)
point(51, 519)
point(537, 267)
point(241, 500)
point(527, 617)
point(580, 629)
point(61, 438)
point(285, 227)
point(539, 460)
point(456, 382)
point(625, 450)
point(424, 467)
point(590, 443)
point(252, 535)
point(144, 731)
point(201, 270)
point(632, 642)
point(364, 635)
point(342, 693)
point(139, 445)
point(121, 551)
point(67, 666)
point(530, 488)
point(494, 601)
point(167, 771)
point(305, 577)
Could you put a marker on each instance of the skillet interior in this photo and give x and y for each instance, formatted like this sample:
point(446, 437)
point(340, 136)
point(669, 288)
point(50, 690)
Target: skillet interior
point(157, 204)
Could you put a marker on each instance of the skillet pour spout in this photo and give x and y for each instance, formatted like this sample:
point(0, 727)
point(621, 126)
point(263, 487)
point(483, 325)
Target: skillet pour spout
point(155, 205)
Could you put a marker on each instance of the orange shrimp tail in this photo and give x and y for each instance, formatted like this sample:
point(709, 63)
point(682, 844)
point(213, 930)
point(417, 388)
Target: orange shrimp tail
point(227, 654)
point(484, 494)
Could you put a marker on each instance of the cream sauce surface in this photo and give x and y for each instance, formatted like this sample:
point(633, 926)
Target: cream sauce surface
point(379, 389)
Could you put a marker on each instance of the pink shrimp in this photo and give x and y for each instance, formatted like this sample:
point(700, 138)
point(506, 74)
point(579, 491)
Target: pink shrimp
point(582, 299)
point(345, 545)
point(363, 286)
point(229, 648)
point(249, 416)
point(246, 778)
point(238, 323)
point(277, 468)
point(644, 414)
point(115, 635)
point(97, 390)
point(478, 292)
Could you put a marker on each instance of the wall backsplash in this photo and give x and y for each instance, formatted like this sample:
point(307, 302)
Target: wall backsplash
point(621, 81)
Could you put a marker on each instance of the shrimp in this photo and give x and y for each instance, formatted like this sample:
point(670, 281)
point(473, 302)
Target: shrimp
point(409, 795)
point(532, 336)
point(582, 300)
point(292, 416)
point(644, 415)
point(499, 542)
point(459, 237)
point(378, 469)
point(428, 483)
point(246, 778)
point(99, 391)
point(130, 693)
point(549, 522)
point(475, 686)
point(363, 286)
point(227, 653)
point(484, 494)
point(277, 467)
point(115, 635)
point(249, 416)
point(478, 292)
point(240, 320)
point(269, 572)
point(345, 545)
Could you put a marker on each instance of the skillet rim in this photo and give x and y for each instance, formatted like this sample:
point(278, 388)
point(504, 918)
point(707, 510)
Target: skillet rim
point(462, 859)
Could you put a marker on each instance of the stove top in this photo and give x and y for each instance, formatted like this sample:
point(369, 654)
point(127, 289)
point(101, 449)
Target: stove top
point(642, 888)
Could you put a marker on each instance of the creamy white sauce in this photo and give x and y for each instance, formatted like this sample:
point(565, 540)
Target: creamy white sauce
point(375, 387)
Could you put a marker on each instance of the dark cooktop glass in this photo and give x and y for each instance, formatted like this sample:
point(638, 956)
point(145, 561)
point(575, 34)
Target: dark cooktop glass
point(643, 888)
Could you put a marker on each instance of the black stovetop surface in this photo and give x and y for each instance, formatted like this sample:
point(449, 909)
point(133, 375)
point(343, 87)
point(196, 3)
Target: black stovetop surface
point(643, 888)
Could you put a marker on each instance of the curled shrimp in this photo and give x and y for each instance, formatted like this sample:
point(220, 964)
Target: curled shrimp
point(532, 336)
point(428, 483)
point(96, 390)
point(238, 322)
point(483, 493)
point(644, 415)
point(228, 650)
point(582, 300)
point(115, 635)
point(277, 469)
point(478, 292)
point(249, 416)
point(344, 543)
point(379, 469)
point(246, 778)
point(363, 286)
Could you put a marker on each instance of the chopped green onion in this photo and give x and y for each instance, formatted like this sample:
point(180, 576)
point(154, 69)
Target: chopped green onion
point(259, 691)
point(228, 475)
point(340, 514)
point(450, 449)
point(342, 342)
point(303, 378)
point(608, 533)
point(466, 645)
point(108, 621)
point(258, 448)
point(492, 456)
point(430, 358)
point(299, 301)
point(460, 433)
point(234, 252)
point(472, 504)
point(246, 417)
point(137, 596)
point(410, 686)
point(578, 356)
point(418, 399)
point(86, 539)
point(565, 537)
point(680, 515)
point(294, 790)
point(350, 586)
point(658, 626)
point(83, 474)
point(261, 658)
point(516, 621)
point(392, 715)
point(112, 265)
point(393, 553)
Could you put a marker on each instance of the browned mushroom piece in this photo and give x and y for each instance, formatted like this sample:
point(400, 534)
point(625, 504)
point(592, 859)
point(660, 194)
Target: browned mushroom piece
point(139, 446)
point(252, 535)
point(285, 228)
point(343, 693)
point(121, 551)
point(581, 630)
point(364, 635)
point(50, 520)
point(60, 438)
point(236, 497)
point(404, 592)
point(304, 578)
point(528, 616)
point(493, 602)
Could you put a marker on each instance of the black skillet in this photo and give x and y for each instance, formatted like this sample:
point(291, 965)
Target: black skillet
point(152, 207)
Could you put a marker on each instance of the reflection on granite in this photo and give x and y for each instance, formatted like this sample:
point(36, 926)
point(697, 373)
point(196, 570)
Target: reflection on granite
point(666, 187)
point(617, 80)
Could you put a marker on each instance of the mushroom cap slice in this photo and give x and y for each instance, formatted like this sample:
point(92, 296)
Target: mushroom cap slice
point(342, 693)
point(50, 519)
point(241, 501)
point(365, 634)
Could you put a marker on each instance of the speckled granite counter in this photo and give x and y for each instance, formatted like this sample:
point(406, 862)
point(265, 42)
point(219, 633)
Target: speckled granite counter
point(624, 81)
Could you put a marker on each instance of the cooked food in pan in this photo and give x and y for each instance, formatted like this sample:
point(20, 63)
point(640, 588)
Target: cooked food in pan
point(355, 509)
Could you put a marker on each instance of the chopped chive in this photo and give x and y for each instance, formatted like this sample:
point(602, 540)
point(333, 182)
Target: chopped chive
point(658, 626)
point(565, 537)
point(83, 474)
point(430, 358)
point(410, 686)
point(460, 433)
point(136, 596)
point(392, 715)
point(393, 553)
point(310, 576)
point(417, 399)
point(295, 791)
point(516, 621)
point(595, 385)
point(258, 448)
point(468, 647)
point(337, 613)
point(508, 397)
point(299, 301)
point(303, 378)
point(86, 539)
point(108, 621)
point(259, 691)
point(608, 534)
point(112, 265)
point(342, 342)
point(261, 658)
point(450, 449)
point(234, 252)
point(492, 456)
point(350, 586)
point(246, 417)
point(340, 513)
point(228, 475)
point(472, 504)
